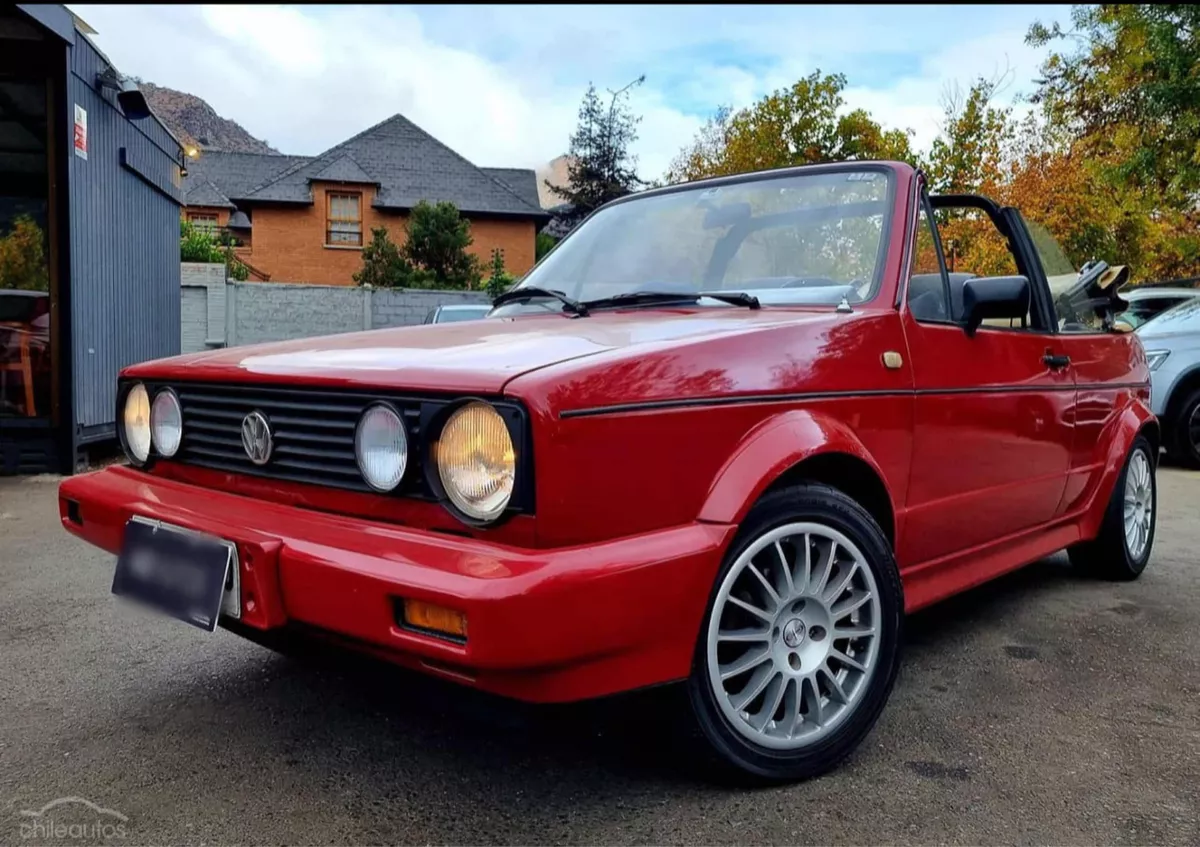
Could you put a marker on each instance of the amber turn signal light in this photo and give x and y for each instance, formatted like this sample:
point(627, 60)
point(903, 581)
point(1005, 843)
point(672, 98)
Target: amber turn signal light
point(422, 615)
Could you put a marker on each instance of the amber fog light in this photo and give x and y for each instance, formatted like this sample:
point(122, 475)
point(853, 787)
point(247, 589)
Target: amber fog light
point(136, 424)
point(429, 616)
point(476, 461)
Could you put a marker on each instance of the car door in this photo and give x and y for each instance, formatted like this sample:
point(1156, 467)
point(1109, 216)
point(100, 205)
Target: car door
point(1109, 374)
point(992, 427)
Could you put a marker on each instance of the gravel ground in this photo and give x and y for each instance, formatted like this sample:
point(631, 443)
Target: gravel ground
point(1042, 708)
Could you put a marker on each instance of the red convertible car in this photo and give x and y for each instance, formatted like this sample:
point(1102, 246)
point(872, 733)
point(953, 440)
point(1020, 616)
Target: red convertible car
point(726, 433)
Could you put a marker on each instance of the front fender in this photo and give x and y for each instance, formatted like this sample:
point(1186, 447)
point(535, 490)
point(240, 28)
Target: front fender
point(770, 449)
point(1128, 424)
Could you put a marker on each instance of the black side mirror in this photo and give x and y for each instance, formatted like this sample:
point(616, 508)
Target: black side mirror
point(994, 297)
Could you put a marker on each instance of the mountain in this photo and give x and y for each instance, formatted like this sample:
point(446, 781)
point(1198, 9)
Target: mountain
point(196, 124)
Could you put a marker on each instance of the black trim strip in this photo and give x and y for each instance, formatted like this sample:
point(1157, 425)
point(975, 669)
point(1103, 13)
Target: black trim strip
point(753, 399)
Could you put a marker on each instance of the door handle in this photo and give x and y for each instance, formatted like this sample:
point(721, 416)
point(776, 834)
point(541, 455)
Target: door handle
point(1056, 362)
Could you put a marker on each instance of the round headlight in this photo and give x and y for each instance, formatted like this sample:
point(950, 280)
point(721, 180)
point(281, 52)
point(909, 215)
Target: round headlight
point(136, 422)
point(476, 461)
point(381, 447)
point(166, 422)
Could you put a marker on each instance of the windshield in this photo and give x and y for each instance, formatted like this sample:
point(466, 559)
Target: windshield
point(797, 239)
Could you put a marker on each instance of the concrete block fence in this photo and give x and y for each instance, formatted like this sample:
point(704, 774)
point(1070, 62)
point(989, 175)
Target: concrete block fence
point(216, 313)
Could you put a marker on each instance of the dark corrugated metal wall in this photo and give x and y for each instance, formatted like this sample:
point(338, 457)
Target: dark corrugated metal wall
point(124, 237)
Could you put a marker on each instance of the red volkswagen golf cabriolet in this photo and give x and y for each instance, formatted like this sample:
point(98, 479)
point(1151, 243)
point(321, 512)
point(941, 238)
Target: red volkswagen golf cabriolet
point(727, 433)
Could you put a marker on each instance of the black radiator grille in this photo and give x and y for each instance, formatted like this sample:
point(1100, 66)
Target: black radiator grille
point(313, 433)
point(312, 430)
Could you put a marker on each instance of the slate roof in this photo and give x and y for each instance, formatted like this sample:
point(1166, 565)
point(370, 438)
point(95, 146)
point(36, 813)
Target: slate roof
point(344, 169)
point(521, 180)
point(405, 162)
point(408, 165)
point(202, 192)
point(231, 175)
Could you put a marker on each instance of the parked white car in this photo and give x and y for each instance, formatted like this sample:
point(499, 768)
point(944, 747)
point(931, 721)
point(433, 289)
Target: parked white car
point(1147, 303)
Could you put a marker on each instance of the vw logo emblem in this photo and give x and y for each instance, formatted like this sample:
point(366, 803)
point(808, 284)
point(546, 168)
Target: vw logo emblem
point(793, 632)
point(256, 438)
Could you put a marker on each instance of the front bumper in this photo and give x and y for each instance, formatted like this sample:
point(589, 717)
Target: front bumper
point(543, 625)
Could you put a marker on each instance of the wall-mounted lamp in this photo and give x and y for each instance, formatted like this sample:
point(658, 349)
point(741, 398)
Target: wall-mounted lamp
point(129, 98)
point(189, 152)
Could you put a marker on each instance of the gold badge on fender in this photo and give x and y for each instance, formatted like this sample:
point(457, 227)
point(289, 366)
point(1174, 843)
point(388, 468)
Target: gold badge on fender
point(892, 360)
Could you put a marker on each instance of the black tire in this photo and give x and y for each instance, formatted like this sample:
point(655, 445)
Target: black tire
point(1186, 443)
point(728, 756)
point(1107, 556)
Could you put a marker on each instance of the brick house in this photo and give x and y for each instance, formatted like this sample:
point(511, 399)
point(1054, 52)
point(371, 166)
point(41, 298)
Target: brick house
point(305, 219)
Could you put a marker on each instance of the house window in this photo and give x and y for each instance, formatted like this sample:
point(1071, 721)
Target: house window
point(344, 227)
point(203, 222)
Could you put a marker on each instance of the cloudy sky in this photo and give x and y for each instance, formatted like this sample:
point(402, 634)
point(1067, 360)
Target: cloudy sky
point(502, 85)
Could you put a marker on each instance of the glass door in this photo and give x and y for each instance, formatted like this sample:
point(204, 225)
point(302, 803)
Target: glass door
point(26, 372)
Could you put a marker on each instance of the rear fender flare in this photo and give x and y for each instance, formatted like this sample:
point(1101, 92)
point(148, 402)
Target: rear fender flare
point(1129, 423)
point(768, 451)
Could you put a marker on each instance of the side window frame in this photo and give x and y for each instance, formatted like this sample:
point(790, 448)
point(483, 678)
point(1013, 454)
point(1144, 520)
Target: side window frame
point(1010, 226)
point(927, 207)
point(1027, 258)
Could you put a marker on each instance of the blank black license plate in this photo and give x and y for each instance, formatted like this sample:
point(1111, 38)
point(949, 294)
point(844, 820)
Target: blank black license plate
point(180, 573)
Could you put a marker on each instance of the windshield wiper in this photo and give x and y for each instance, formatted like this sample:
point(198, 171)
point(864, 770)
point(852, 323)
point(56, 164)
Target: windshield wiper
point(734, 298)
point(638, 298)
point(528, 291)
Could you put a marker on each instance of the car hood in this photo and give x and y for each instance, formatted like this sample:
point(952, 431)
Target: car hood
point(480, 356)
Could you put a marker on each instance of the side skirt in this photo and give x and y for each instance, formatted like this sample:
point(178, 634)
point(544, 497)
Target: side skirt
point(929, 582)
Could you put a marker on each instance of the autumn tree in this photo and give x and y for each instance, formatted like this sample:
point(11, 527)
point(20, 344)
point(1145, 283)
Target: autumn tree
point(23, 257)
point(1058, 182)
point(1125, 82)
point(799, 125)
point(1125, 87)
point(975, 137)
point(600, 165)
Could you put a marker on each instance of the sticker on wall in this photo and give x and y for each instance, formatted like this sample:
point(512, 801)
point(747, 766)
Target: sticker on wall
point(80, 132)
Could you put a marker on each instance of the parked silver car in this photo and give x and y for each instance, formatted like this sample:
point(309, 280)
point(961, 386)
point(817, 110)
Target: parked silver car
point(1172, 342)
point(464, 312)
point(1149, 302)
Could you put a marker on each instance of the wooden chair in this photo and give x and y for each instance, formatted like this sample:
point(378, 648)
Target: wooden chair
point(22, 365)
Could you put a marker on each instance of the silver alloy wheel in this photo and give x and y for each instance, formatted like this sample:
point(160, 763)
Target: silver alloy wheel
point(1139, 504)
point(794, 635)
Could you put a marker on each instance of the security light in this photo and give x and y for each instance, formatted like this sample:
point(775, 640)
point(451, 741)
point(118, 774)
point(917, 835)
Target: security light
point(129, 98)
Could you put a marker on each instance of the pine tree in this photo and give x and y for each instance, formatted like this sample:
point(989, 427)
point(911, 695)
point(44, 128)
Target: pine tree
point(600, 168)
point(500, 279)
